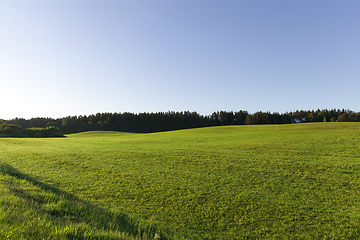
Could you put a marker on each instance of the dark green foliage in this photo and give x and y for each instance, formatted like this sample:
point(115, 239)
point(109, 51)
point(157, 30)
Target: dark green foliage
point(43, 132)
point(9, 129)
point(13, 130)
point(168, 121)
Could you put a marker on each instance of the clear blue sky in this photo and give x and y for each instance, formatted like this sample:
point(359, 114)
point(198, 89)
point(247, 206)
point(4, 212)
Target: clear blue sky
point(80, 57)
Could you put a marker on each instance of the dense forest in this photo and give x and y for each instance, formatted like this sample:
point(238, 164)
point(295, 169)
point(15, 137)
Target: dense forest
point(166, 121)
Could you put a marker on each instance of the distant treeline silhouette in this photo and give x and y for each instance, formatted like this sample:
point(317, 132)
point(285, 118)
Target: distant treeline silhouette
point(166, 121)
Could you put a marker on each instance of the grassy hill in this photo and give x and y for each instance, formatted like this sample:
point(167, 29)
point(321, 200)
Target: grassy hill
point(264, 181)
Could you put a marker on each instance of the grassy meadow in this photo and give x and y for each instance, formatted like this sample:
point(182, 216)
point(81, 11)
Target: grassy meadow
point(296, 181)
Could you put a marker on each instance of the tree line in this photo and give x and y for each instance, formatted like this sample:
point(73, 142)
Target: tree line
point(14, 130)
point(167, 121)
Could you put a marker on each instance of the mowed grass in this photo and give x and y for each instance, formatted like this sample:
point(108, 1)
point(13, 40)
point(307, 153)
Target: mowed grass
point(297, 181)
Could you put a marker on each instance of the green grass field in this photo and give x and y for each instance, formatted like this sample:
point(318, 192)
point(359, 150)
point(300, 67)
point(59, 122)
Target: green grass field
point(298, 181)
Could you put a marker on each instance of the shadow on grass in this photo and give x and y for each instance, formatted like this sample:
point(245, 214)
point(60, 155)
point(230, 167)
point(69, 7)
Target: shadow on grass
point(64, 207)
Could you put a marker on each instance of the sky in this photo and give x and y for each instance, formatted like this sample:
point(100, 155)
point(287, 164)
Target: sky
point(80, 57)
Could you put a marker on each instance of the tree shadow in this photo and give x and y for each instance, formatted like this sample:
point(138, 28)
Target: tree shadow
point(58, 204)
